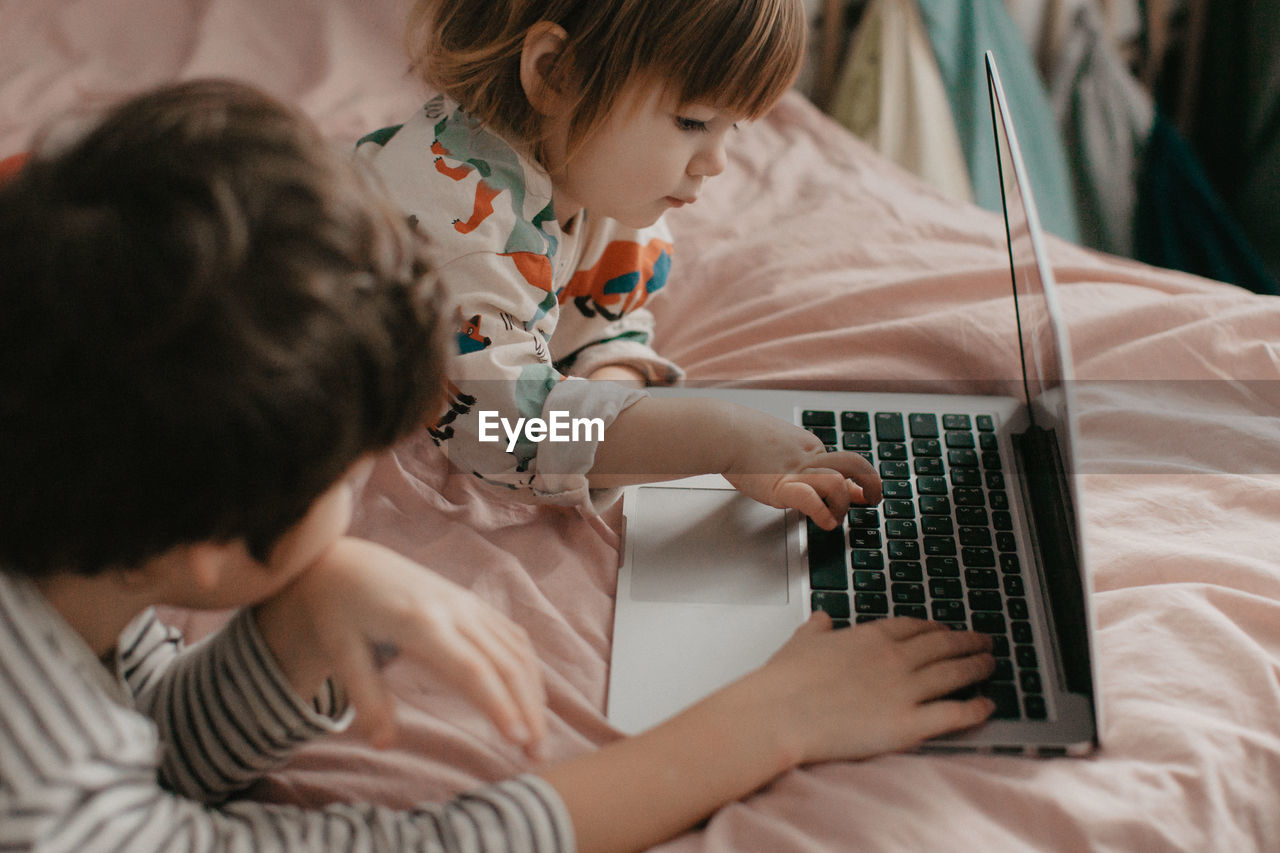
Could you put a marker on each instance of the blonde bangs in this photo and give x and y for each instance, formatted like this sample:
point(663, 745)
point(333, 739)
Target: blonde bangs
point(737, 56)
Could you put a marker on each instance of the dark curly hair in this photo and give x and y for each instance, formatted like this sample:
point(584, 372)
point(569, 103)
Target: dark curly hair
point(209, 315)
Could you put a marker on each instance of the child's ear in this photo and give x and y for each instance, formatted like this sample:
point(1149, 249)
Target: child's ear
point(544, 45)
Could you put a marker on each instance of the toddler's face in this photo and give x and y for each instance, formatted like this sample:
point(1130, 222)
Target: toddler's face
point(650, 155)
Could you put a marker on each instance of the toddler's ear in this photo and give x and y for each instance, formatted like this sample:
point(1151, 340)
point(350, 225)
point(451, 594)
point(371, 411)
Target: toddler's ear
point(542, 82)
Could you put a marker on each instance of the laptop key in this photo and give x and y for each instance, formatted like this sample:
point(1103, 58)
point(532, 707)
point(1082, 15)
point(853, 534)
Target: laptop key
point(855, 421)
point(947, 610)
point(894, 469)
point(901, 528)
point(860, 441)
point(906, 570)
point(827, 435)
point(986, 600)
point(870, 602)
point(903, 549)
point(836, 604)
point(1006, 698)
point(939, 546)
point(826, 558)
point(942, 567)
point(988, 622)
point(945, 588)
point(907, 593)
point(862, 537)
point(868, 581)
point(889, 426)
point(869, 559)
point(864, 516)
point(981, 579)
point(892, 450)
point(923, 425)
point(936, 525)
point(927, 466)
point(817, 418)
point(926, 447)
point(899, 508)
point(897, 489)
point(932, 485)
point(978, 558)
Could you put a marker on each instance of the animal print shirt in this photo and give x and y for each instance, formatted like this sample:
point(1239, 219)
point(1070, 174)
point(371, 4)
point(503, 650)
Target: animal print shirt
point(536, 307)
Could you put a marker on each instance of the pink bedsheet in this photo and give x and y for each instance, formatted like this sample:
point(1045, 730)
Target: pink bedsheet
point(813, 263)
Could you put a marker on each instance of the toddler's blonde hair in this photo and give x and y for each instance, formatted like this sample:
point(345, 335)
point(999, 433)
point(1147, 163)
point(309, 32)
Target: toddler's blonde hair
point(736, 55)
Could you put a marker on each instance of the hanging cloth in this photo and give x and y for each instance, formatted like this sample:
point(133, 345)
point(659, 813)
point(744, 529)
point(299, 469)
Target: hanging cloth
point(890, 94)
point(959, 34)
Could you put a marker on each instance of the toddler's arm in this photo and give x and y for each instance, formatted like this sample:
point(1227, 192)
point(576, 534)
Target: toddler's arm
point(775, 462)
point(825, 695)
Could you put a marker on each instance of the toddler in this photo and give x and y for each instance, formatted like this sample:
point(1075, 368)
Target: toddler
point(563, 131)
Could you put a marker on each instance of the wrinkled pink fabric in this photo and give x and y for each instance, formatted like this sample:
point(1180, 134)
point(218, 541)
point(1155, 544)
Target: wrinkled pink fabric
point(813, 263)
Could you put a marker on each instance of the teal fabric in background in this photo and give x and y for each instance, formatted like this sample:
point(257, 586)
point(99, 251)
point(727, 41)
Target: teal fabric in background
point(960, 34)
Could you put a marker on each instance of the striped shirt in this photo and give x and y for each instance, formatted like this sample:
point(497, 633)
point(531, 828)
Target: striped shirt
point(144, 758)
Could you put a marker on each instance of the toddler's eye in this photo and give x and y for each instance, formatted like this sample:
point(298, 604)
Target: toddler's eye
point(691, 124)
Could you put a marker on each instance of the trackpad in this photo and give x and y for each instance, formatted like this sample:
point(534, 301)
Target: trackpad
point(708, 546)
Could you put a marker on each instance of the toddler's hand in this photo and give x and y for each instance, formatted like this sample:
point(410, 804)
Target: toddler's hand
point(876, 687)
point(362, 603)
point(784, 465)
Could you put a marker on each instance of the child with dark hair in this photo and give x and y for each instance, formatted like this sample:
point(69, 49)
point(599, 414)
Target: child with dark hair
point(211, 324)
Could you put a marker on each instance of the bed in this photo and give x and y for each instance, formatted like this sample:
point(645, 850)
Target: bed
point(814, 263)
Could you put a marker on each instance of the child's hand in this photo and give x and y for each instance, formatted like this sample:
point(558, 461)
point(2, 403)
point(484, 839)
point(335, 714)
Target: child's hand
point(784, 465)
point(361, 603)
point(876, 687)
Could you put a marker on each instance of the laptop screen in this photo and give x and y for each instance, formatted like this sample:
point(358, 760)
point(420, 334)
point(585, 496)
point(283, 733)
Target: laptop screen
point(1048, 383)
point(1045, 351)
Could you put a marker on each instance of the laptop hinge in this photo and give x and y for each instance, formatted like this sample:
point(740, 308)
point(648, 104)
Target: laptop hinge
point(1051, 521)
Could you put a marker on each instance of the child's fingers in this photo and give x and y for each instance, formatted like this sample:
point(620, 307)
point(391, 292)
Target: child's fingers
point(925, 648)
point(802, 496)
point(903, 627)
point(948, 715)
point(508, 650)
point(855, 467)
point(474, 670)
point(946, 676)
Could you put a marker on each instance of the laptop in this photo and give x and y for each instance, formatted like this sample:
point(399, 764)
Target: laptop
point(979, 528)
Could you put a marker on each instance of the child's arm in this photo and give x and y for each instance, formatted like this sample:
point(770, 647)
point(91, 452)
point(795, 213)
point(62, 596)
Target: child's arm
point(775, 462)
point(361, 603)
point(825, 695)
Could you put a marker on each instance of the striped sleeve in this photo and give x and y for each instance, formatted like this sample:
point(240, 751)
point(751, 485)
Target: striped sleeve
point(78, 765)
point(225, 712)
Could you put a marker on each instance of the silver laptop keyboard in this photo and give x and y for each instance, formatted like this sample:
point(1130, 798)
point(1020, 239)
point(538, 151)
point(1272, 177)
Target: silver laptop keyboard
point(940, 545)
